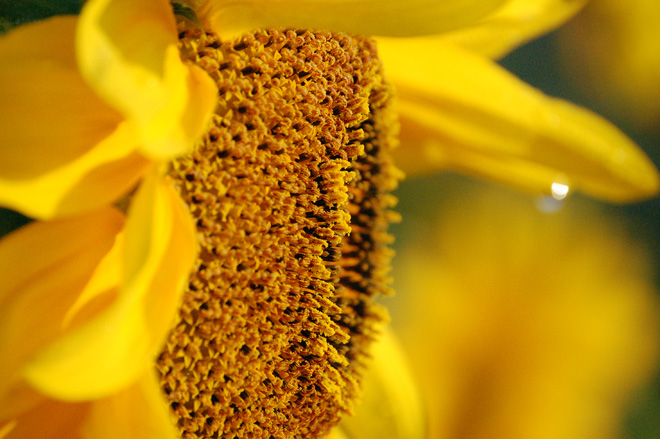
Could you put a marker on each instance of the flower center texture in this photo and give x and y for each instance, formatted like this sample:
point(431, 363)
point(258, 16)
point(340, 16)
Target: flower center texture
point(290, 193)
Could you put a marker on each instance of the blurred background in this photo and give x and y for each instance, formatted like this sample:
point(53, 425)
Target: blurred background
point(525, 318)
point(522, 317)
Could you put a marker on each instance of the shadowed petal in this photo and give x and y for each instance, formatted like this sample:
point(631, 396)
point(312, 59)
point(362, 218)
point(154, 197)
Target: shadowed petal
point(49, 420)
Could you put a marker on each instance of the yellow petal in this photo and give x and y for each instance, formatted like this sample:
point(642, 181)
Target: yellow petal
point(63, 149)
point(43, 269)
point(127, 52)
point(50, 116)
point(115, 348)
point(138, 412)
point(94, 179)
point(515, 23)
point(366, 17)
point(391, 407)
point(460, 110)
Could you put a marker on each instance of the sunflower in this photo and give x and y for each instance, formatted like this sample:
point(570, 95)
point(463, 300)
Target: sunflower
point(212, 201)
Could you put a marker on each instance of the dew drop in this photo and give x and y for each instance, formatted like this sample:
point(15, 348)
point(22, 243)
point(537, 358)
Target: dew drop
point(555, 201)
point(559, 191)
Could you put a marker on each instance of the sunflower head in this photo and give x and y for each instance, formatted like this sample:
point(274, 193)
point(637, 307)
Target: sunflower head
point(289, 190)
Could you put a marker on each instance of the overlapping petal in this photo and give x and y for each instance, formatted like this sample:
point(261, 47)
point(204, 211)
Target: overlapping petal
point(363, 17)
point(96, 178)
point(64, 151)
point(128, 54)
point(115, 347)
point(515, 23)
point(49, 115)
point(461, 111)
point(44, 267)
point(80, 133)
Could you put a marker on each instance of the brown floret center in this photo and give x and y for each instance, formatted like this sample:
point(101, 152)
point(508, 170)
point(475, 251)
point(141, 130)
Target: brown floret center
point(290, 191)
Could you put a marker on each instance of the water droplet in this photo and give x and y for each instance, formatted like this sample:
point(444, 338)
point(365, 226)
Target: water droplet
point(555, 200)
point(559, 191)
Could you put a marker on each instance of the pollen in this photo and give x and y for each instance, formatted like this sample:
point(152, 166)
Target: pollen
point(290, 191)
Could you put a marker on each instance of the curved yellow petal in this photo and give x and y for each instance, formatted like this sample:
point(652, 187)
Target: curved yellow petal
point(44, 266)
point(115, 348)
point(364, 17)
point(460, 110)
point(127, 52)
point(96, 178)
point(137, 412)
point(514, 24)
point(391, 407)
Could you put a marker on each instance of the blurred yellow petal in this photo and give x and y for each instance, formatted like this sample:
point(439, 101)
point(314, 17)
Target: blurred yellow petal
point(137, 412)
point(363, 17)
point(514, 24)
point(128, 53)
point(458, 109)
point(94, 179)
point(44, 267)
point(109, 352)
point(391, 407)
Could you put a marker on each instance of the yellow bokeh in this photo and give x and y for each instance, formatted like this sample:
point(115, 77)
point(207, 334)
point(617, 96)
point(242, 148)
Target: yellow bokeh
point(521, 323)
